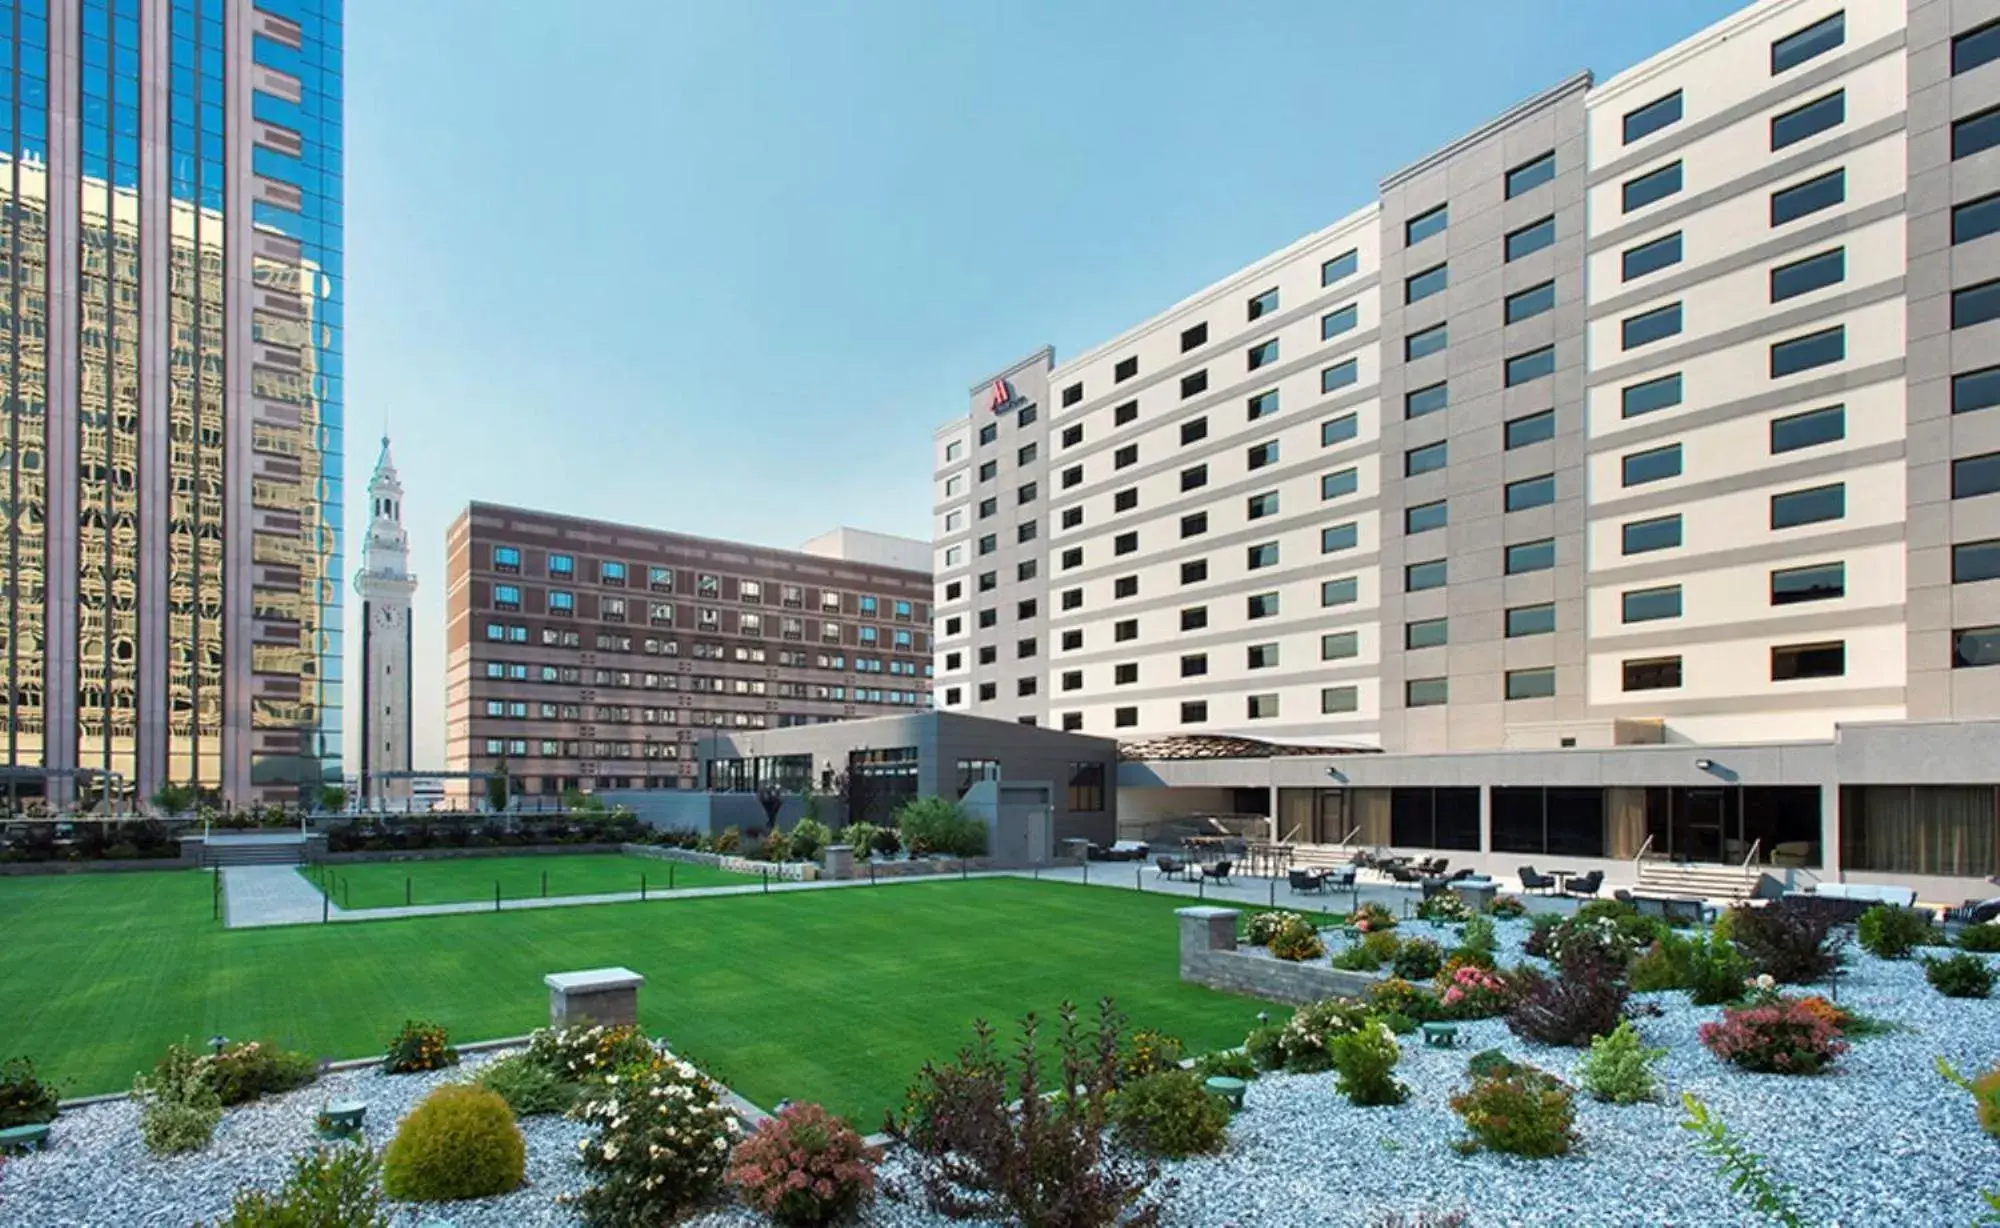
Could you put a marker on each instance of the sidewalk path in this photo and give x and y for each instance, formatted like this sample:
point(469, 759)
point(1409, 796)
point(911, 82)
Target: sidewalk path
point(267, 895)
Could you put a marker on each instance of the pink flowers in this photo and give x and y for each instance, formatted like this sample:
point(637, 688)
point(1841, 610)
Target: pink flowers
point(804, 1166)
point(1784, 1036)
point(1472, 992)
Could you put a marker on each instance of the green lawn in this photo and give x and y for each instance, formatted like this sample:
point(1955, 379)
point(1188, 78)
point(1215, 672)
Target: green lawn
point(381, 884)
point(833, 995)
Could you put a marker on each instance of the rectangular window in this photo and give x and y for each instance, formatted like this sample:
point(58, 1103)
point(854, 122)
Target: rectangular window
point(1651, 257)
point(1426, 633)
point(1531, 366)
point(1652, 186)
point(1425, 224)
point(1531, 428)
point(506, 558)
point(1975, 647)
point(1809, 120)
point(1339, 645)
point(1975, 47)
point(1263, 405)
point(1815, 40)
point(1194, 385)
point(1525, 620)
point(1338, 430)
point(1975, 475)
point(1650, 326)
point(1531, 174)
point(1072, 435)
point(1539, 683)
point(1645, 536)
point(1194, 338)
point(1260, 455)
point(1531, 556)
point(1809, 429)
point(1431, 340)
point(1263, 304)
point(1344, 591)
point(1975, 133)
point(1194, 665)
point(1529, 303)
point(1257, 507)
point(1975, 304)
point(1125, 674)
point(507, 596)
point(1194, 524)
point(561, 565)
point(1026, 456)
point(1194, 571)
point(1026, 532)
point(1125, 500)
point(1816, 582)
point(1262, 707)
point(561, 602)
point(1260, 556)
point(1426, 400)
point(1531, 238)
point(1654, 394)
point(1125, 543)
point(1790, 662)
point(1339, 375)
point(1261, 656)
point(1812, 350)
point(1126, 369)
point(1337, 699)
point(1420, 576)
point(1420, 286)
point(1262, 605)
point(1340, 482)
point(1072, 394)
point(1425, 517)
point(1072, 516)
point(1820, 192)
point(1812, 273)
point(1334, 323)
point(1194, 431)
point(1645, 605)
point(988, 470)
point(1977, 218)
point(1339, 537)
point(1652, 117)
point(1340, 266)
point(1126, 413)
point(1194, 711)
point(1427, 459)
point(1531, 492)
point(1652, 465)
point(1972, 562)
point(1426, 692)
point(1975, 390)
point(1262, 354)
point(1652, 674)
point(1072, 599)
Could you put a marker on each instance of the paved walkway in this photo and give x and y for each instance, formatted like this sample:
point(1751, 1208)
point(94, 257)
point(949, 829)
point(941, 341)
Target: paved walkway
point(267, 895)
point(1263, 892)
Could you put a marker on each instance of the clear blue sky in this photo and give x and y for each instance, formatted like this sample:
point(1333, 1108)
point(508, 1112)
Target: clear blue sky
point(722, 268)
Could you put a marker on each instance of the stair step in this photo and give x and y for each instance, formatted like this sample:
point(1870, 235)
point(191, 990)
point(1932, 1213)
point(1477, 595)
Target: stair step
point(1314, 856)
point(1708, 881)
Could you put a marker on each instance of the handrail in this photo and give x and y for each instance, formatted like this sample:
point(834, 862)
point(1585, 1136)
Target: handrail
point(1291, 836)
point(1352, 832)
point(1640, 856)
point(1755, 845)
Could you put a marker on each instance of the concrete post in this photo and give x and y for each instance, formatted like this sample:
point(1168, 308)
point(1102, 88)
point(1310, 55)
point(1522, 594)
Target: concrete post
point(608, 996)
point(1204, 930)
point(839, 861)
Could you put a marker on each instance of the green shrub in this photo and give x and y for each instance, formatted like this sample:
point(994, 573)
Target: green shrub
point(1396, 996)
point(1888, 931)
point(775, 847)
point(1523, 1112)
point(178, 1107)
point(1264, 926)
point(1147, 1052)
point(418, 1047)
point(1169, 1114)
point(1960, 975)
point(1488, 1064)
point(728, 840)
point(809, 839)
point(460, 1142)
point(25, 1100)
point(329, 1188)
point(1226, 1064)
point(1478, 945)
point(885, 842)
point(1307, 1038)
point(935, 825)
point(1377, 947)
point(244, 1072)
point(1397, 1023)
point(1619, 1069)
point(1984, 937)
point(804, 1167)
point(1265, 1047)
point(1710, 969)
point(1444, 906)
point(581, 1053)
point(1296, 940)
point(1985, 1093)
point(1365, 1061)
point(528, 1088)
point(1419, 959)
point(858, 836)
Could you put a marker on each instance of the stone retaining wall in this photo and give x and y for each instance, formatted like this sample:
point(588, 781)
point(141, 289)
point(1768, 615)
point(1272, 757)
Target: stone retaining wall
point(9, 869)
point(1209, 956)
point(455, 854)
point(786, 871)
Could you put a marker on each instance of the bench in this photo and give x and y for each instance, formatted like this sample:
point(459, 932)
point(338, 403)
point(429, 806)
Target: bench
point(16, 1140)
point(1440, 1035)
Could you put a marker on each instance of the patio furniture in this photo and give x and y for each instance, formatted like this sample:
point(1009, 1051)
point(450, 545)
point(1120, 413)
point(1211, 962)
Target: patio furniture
point(1219, 872)
point(1340, 876)
point(1405, 874)
point(1440, 1035)
point(1562, 878)
point(1434, 887)
point(1976, 912)
point(1308, 882)
point(1434, 865)
point(1172, 867)
point(1531, 881)
point(1587, 884)
point(1231, 1090)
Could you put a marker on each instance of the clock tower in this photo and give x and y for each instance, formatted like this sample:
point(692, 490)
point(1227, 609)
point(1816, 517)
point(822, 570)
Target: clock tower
point(385, 585)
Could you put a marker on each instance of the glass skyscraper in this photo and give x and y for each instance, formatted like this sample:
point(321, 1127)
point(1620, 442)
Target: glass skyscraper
point(171, 360)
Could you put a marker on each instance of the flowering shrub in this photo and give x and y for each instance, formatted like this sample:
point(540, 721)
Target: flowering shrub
point(1296, 940)
point(1541, 931)
point(662, 1144)
point(1397, 996)
point(1264, 926)
point(1778, 1037)
point(1518, 1110)
point(578, 1054)
point(1471, 992)
point(1372, 918)
point(1419, 959)
point(805, 1166)
point(178, 1107)
point(1444, 906)
point(1506, 906)
point(419, 1046)
point(1303, 1043)
point(243, 1072)
point(1148, 1051)
point(25, 1099)
point(1365, 1060)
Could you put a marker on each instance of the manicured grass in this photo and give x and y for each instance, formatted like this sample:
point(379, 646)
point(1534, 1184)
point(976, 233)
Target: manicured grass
point(834, 995)
point(380, 884)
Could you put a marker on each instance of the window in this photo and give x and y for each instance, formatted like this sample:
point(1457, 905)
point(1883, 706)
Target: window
point(1650, 326)
point(1262, 354)
point(1194, 665)
point(1427, 459)
point(1430, 341)
point(1193, 385)
point(1125, 674)
point(1976, 219)
point(1531, 238)
point(1026, 532)
point(1426, 633)
point(1262, 605)
point(1975, 304)
point(1975, 475)
point(1820, 192)
point(1816, 582)
point(561, 602)
point(1815, 40)
point(1123, 414)
point(1645, 536)
point(1529, 303)
point(1644, 605)
point(663, 578)
point(1194, 337)
point(1525, 620)
point(1026, 456)
point(1975, 133)
point(1975, 47)
point(1426, 224)
point(989, 433)
point(1341, 482)
point(1817, 426)
point(1072, 394)
point(1072, 721)
point(987, 618)
point(988, 469)
point(1125, 457)
point(1027, 493)
point(1651, 257)
point(1533, 428)
point(1262, 656)
point(1259, 506)
point(1425, 517)
point(1426, 692)
point(1812, 350)
point(1531, 174)
point(1809, 120)
point(1426, 400)
point(1194, 431)
point(1975, 647)
point(1975, 390)
point(1086, 780)
point(1024, 648)
point(988, 508)
point(1340, 266)
point(1653, 395)
point(506, 558)
point(1418, 577)
point(1260, 455)
point(1072, 640)
point(1125, 543)
point(1339, 375)
point(988, 544)
point(1263, 405)
point(1531, 556)
point(561, 565)
point(1263, 304)
point(1334, 323)
point(1652, 674)
point(1339, 537)
point(1652, 186)
point(1072, 476)
point(507, 596)
point(1194, 571)
point(1791, 662)
point(1338, 430)
point(1126, 369)
point(1339, 645)
point(1531, 366)
point(1072, 516)
point(1652, 465)
point(1194, 524)
point(1337, 699)
point(1539, 683)
point(1422, 285)
point(1344, 591)
point(1072, 599)
point(1125, 586)
point(1975, 561)
point(1261, 707)
point(1072, 435)
point(1531, 492)
point(1125, 500)
point(1261, 556)
point(1812, 273)
point(1194, 618)
point(609, 572)
point(1652, 117)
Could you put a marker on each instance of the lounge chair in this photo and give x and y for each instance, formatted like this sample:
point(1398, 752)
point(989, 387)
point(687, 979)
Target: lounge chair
point(1342, 876)
point(1405, 875)
point(1531, 881)
point(1172, 867)
point(1586, 884)
point(1434, 886)
point(1219, 871)
point(1307, 882)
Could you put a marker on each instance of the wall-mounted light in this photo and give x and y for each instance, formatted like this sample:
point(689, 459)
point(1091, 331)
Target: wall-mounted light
point(1336, 774)
point(1704, 764)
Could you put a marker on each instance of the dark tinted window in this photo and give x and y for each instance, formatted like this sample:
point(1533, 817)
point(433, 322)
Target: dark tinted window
point(1263, 304)
point(1975, 219)
point(1975, 133)
point(1334, 323)
point(1975, 647)
point(1975, 304)
point(1263, 405)
point(1531, 492)
point(1819, 192)
point(1128, 412)
point(1531, 620)
point(1426, 224)
point(1340, 266)
point(1194, 430)
point(1809, 120)
point(1650, 326)
point(1974, 561)
point(1538, 683)
point(1975, 475)
point(1531, 366)
point(1072, 394)
point(1420, 576)
point(1339, 376)
point(1817, 582)
point(1975, 390)
point(1797, 507)
point(1339, 537)
point(1530, 175)
point(1426, 692)
point(1815, 40)
point(1427, 459)
point(1526, 304)
point(1533, 428)
point(1423, 285)
point(1812, 350)
point(1531, 238)
point(1812, 273)
point(1126, 369)
point(1660, 533)
point(1426, 633)
point(1336, 484)
point(1531, 556)
point(1193, 337)
point(1424, 517)
point(1193, 384)
point(1338, 430)
point(1975, 47)
point(1422, 344)
point(1651, 186)
point(1426, 400)
point(1644, 605)
point(1652, 465)
point(1652, 674)
point(1652, 257)
point(1793, 661)
point(1815, 426)
point(1652, 117)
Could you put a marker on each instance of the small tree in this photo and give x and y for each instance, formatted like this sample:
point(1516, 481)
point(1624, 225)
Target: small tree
point(172, 799)
point(333, 798)
point(497, 786)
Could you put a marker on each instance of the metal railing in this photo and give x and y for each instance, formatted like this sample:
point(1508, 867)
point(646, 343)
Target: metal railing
point(1639, 858)
point(1351, 833)
point(1749, 860)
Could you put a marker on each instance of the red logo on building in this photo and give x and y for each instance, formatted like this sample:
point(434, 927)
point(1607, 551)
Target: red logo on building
point(1002, 396)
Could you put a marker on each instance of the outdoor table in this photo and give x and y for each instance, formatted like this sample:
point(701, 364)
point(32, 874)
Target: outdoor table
point(1562, 878)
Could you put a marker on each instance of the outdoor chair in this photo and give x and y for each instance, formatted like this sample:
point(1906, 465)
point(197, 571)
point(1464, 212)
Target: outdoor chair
point(1405, 875)
point(1341, 877)
point(1171, 867)
point(1459, 876)
point(1307, 882)
point(1219, 871)
point(1433, 866)
point(1433, 886)
point(1531, 881)
point(1586, 884)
